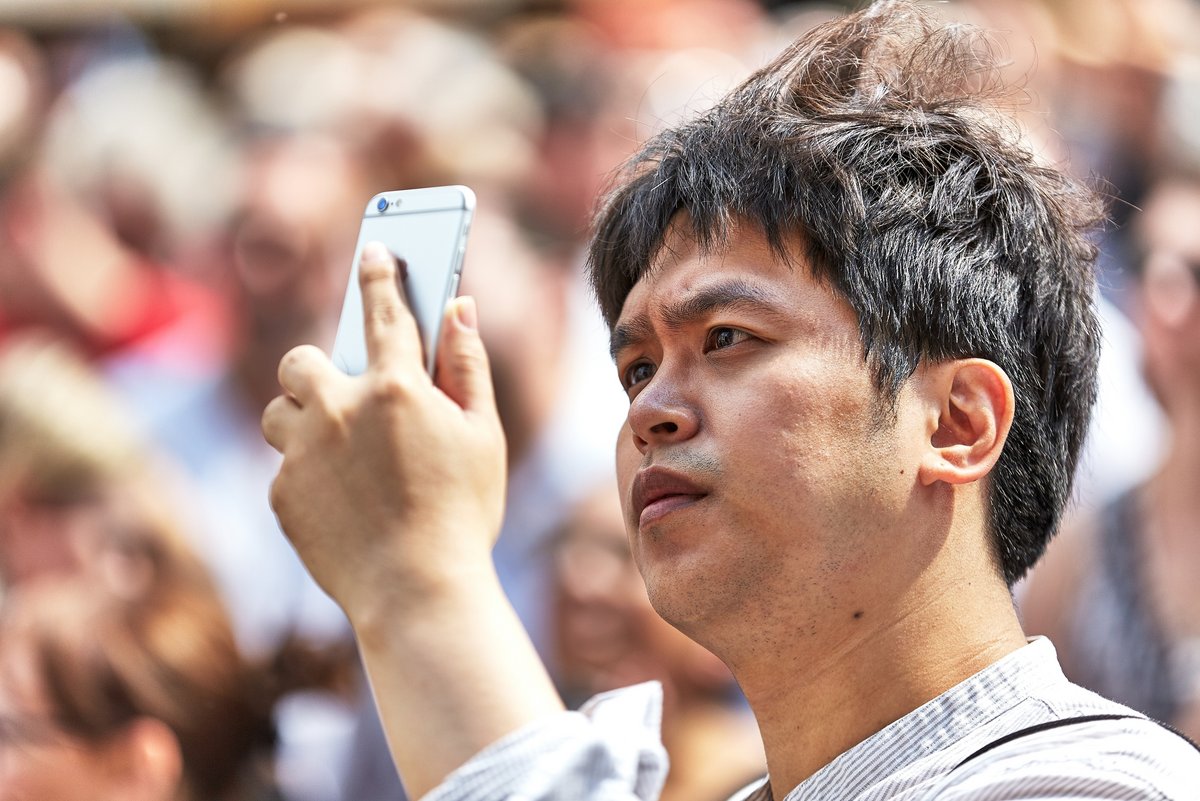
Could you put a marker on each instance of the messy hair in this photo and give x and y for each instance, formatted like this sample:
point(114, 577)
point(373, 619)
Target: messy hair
point(876, 138)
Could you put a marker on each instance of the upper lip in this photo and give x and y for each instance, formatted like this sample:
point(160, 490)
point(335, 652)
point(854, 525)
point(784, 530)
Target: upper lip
point(654, 483)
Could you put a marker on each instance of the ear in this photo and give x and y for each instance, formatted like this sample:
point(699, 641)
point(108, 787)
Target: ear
point(973, 403)
point(150, 760)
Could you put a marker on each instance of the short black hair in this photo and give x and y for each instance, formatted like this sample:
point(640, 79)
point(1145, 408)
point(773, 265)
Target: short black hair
point(877, 138)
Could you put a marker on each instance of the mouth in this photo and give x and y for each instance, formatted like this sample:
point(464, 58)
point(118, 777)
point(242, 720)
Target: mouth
point(658, 492)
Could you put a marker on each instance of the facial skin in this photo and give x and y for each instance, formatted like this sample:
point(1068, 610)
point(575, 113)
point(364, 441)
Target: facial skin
point(751, 406)
point(1170, 294)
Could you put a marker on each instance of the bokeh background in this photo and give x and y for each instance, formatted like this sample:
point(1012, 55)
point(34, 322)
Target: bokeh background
point(181, 183)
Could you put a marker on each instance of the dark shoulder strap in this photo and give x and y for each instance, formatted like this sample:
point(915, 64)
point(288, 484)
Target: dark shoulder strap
point(1054, 724)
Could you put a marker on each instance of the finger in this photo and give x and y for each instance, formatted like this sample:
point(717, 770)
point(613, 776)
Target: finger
point(462, 361)
point(305, 373)
point(279, 419)
point(391, 331)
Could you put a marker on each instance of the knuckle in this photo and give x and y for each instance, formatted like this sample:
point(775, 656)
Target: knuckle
point(270, 419)
point(298, 363)
point(293, 359)
point(267, 424)
point(332, 429)
point(471, 359)
point(391, 387)
point(302, 354)
point(278, 494)
point(383, 314)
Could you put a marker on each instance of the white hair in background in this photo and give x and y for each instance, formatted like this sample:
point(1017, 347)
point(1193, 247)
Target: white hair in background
point(472, 115)
point(147, 127)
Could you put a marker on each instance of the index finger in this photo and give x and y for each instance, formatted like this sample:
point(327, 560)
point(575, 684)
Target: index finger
point(391, 332)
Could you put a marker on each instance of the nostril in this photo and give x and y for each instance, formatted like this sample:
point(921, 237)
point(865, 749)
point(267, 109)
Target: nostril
point(665, 428)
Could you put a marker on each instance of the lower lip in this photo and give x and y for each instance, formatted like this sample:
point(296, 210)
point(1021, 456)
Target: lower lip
point(653, 512)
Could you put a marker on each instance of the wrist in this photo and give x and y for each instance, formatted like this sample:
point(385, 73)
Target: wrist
point(403, 608)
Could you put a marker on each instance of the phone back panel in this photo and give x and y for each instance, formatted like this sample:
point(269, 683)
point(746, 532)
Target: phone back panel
point(427, 229)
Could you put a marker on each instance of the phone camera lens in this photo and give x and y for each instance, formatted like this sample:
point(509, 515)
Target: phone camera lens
point(382, 204)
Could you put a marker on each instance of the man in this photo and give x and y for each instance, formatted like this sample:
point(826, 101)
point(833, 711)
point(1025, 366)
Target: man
point(855, 324)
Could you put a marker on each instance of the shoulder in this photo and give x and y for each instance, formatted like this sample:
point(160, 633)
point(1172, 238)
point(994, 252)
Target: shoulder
point(1107, 759)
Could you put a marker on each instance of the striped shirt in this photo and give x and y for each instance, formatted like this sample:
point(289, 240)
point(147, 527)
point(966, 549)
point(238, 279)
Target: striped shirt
point(609, 750)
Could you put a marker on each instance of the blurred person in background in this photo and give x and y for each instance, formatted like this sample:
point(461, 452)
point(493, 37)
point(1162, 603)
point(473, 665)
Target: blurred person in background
point(118, 233)
point(95, 214)
point(557, 417)
point(128, 686)
point(288, 248)
point(117, 657)
point(146, 145)
point(119, 677)
point(1117, 592)
point(607, 635)
point(77, 482)
point(437, 104)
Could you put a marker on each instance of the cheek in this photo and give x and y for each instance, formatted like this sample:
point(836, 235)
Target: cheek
point(814, 445)
point(792, 431)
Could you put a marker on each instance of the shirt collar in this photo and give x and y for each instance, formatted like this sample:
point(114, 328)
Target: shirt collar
point(933, 726)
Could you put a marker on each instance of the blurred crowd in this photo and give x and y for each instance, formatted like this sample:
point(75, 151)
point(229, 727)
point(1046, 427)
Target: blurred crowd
point(178, 208)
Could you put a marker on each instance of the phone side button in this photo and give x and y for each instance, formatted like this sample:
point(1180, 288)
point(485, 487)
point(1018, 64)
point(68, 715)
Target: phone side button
point(453, 286)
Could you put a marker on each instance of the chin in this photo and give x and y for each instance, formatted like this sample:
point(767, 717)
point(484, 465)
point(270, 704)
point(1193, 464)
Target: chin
point(683, 602)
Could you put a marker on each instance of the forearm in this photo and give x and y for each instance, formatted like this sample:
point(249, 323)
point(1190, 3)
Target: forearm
point(451, 675)
point(392, 491)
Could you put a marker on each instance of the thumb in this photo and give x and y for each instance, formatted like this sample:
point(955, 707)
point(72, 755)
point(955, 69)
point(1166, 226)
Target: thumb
point(463, 372)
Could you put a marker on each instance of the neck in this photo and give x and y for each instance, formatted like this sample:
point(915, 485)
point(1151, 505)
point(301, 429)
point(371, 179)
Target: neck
point(817, 696)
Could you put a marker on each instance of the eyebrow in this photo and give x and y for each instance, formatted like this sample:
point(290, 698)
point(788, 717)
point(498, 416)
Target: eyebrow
point(733, 295)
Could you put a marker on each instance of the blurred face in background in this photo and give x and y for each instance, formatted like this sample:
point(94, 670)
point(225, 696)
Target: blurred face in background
point(608, 635)
point(1168, 233)
point(41, 537)
point(294, 238)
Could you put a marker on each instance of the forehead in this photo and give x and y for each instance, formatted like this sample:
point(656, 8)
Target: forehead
point(745, 271)
point(1170, 219)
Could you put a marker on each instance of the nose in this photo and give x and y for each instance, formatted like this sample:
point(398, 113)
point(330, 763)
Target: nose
point(660, 415)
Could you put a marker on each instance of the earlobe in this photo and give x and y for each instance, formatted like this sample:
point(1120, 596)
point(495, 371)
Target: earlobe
point(974, 400)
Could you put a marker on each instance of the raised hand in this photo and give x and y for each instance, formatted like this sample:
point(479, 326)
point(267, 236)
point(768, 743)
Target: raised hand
point(391, 483)
point(392, 491)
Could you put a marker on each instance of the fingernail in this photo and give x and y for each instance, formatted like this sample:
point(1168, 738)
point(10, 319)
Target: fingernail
point(466, 313)
point(375, 251)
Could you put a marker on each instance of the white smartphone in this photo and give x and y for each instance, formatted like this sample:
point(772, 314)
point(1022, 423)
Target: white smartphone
point(427, 229)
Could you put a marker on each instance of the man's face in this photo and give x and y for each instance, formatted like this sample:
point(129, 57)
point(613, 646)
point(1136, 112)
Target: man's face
point(757, 474)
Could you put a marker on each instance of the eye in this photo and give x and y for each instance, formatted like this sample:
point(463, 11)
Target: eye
point(637, 373)
point(723, 337)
